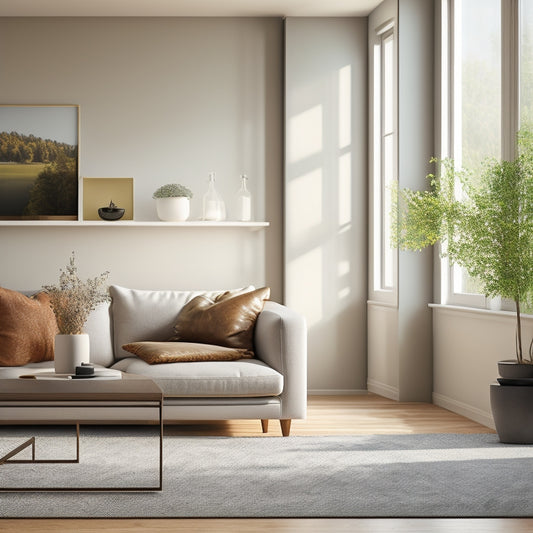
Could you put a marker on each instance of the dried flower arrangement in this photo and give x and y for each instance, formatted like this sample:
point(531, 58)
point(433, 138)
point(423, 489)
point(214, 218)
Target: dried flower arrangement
point(72, 300)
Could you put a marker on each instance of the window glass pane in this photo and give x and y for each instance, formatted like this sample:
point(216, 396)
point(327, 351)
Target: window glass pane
point(384, 164)
point(478, 70)
point(377, 170)
point(526, 61)
point(388, 85)
point(477, 95)
point(387, 251)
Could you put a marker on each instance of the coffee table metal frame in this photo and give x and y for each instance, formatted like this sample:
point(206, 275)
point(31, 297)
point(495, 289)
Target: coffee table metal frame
point(92, 404)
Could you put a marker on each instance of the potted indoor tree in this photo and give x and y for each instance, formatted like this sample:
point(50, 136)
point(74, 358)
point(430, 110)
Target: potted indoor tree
point(173, 202)
point(489, 232)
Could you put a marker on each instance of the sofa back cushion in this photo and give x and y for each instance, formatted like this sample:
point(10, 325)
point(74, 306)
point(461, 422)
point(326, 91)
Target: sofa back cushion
point(226, 320)
point(98, 327)
point(144, 315)
point(27, 328)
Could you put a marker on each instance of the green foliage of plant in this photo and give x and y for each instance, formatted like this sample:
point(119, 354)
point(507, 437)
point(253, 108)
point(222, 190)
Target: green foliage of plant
point(72, 299)
point(488, 230)
point(172, 190)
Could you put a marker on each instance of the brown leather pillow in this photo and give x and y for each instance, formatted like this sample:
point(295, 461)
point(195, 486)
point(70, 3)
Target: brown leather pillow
point(27, 328)
point(179, 352)
point(227, 320)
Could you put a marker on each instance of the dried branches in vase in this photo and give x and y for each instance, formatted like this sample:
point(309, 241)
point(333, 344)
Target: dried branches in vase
point(72, 299)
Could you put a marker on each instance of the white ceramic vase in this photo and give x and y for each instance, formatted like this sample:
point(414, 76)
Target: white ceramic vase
point(70, 351)
point(175, 209)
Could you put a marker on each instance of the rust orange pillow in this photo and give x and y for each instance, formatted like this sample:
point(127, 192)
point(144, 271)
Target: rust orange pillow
point(226, 320)
point(27, 328)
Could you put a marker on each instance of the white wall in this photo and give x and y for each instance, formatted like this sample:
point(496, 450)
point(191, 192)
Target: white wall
point(161, 100)
point(399, 335)
point(325, 194)
point(468, 344)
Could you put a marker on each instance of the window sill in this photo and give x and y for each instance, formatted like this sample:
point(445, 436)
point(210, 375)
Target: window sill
point(473, 311)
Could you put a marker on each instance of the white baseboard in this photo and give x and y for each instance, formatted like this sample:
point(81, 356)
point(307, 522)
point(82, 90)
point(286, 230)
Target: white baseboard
point(335, 392)
point(475, 414)
point(382, 389)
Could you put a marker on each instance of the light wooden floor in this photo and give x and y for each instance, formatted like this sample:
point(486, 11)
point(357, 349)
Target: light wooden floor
point(348, 415)
point(327, 415)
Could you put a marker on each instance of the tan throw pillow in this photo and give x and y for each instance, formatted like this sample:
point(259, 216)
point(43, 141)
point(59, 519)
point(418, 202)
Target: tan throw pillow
point(175, 352)
point(227, 320)
point(27, 328)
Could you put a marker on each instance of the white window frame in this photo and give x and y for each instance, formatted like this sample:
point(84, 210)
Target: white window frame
point(450, 102)
point(383, 273)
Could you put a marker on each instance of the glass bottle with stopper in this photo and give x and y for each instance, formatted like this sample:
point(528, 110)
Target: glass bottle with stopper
point(213, 205)
point(244, 201)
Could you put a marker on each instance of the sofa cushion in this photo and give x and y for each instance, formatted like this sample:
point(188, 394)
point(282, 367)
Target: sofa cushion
point(228, 319)
point(246, 377)
point(98, 327)
point(175, 352)
point(27, 328)
point(141, 315)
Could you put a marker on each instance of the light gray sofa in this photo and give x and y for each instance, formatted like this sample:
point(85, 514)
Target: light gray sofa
point(272, 385)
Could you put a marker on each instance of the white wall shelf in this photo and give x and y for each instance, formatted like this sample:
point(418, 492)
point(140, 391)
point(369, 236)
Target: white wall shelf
point(254, 226)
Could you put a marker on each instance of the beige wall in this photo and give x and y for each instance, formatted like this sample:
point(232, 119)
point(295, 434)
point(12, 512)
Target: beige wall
point(325, 194)
point(161, 100)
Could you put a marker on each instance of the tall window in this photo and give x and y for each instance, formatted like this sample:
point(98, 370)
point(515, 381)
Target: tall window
point(384, 148)
point(475, 103)
point(487, 94)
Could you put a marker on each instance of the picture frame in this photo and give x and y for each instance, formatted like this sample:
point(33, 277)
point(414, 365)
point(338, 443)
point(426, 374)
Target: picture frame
point(39, 162)
point(100, 192)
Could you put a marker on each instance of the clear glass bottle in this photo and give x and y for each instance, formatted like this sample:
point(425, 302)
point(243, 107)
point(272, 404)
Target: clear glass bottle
point(213, 205)
point(244, 201)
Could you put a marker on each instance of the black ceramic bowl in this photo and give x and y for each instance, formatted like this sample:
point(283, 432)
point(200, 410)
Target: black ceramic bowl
point(111, 213)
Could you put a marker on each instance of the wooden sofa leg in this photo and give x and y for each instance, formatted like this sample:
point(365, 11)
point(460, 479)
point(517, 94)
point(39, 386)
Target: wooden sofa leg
point(264, 425)
point(285, 427)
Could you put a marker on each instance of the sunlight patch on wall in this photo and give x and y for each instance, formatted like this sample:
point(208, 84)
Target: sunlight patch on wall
point(304, 284)
point(304, 196)
point(345, 106)
point(345, 189)
point(305, 134)
point(343, 270)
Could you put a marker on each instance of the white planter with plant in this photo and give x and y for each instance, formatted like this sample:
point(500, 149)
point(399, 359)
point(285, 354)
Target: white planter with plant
point(173, 202)
point(489, 232)
point(71, 351)
point(72, 300)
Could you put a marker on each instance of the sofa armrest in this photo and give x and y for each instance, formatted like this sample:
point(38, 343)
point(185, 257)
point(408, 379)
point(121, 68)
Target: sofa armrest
point(280, 340)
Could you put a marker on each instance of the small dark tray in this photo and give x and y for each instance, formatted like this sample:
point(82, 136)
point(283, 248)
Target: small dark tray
point(111, 213)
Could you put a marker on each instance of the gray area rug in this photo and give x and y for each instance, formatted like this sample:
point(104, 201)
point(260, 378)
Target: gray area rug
point(443, 475)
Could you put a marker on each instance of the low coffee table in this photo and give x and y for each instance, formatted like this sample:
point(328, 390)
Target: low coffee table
point(79, 395)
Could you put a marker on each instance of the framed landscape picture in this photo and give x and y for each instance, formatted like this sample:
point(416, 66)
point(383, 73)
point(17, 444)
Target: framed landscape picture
point(39, 162)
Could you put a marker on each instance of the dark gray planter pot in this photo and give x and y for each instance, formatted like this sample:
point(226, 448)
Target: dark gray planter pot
point(512, 409)
point(511, 369)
